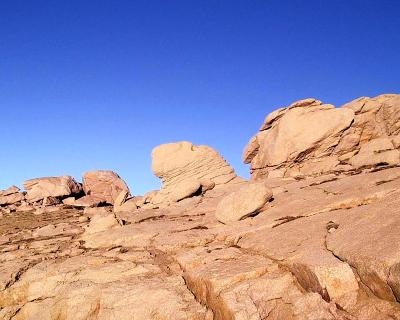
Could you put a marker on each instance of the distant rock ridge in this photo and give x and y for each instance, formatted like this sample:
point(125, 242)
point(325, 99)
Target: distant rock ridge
point(99, 187)
point(185, 170)
point(311, 138)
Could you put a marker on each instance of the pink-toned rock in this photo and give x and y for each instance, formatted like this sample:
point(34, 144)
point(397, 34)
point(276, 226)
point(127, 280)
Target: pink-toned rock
point(186, 169)
point(105, 185)
point(11, 196)
point(127, 206)
point(58, 187)
point(310, 138)
point(325, 247)
point(8, 191)
point(84, 202)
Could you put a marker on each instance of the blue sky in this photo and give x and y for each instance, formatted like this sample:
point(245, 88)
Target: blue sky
point(97, 84)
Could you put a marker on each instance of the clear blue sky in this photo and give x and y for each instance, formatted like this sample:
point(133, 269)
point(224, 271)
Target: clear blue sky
point(97, 84)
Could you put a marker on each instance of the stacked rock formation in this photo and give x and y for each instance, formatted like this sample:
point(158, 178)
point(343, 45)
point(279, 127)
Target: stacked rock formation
point(99, 187)
point(186, 170)
point(11, 196)
point(312, 138)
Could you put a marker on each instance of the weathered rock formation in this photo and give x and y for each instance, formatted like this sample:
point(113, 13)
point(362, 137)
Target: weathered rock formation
point(312, 138)
point(41, 188)
point(186, 170)
point(322, 248)
point(104, 185)
point(11, 196)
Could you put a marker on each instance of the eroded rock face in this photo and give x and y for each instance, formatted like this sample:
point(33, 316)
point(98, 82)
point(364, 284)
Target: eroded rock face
point(312, 138)
point(186, 169)
point(40, 188)
point(11, 195)
point(325, 247)
point(109, 287)
point(103, 185)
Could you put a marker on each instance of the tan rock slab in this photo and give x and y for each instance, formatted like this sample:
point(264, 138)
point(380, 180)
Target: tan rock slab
point(40, 188)
point(243, 203)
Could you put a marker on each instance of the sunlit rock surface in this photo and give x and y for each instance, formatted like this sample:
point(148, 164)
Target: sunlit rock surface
point(294, 244)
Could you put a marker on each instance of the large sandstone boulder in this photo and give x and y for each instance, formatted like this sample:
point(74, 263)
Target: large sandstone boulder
point(11, 196)
point(104, 185)
point(186, 169)
point(311, 138)
point(57, 187)
point(246, 201)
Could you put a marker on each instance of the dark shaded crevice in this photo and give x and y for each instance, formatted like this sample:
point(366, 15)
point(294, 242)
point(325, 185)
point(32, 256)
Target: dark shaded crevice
point(359, 279)
point(20, 273)
point(286, 219)
point(282, 265)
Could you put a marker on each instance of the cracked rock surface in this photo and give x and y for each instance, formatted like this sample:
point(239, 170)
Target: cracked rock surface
point(324, 248)
point(310, 137)
point(315, 234)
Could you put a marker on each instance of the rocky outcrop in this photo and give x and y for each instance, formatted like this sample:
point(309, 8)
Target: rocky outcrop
point(57, 187)
point(322, 248)
point(186, 170)
point(103, 185)
point(312, 138)
point(11, 195)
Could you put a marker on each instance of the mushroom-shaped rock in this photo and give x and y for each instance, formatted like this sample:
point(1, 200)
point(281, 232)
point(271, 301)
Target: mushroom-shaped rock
point(244, 202)
point(312, 138)
point(57, 187)
point(186, 169)
point(103, 185)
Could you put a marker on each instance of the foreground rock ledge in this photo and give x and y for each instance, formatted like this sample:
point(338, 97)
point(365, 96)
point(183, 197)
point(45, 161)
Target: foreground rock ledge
point(324, 248)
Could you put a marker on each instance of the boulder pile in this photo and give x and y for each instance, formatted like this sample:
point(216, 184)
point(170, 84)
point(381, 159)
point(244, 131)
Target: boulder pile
point(99, 187)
